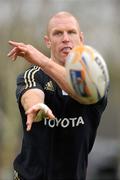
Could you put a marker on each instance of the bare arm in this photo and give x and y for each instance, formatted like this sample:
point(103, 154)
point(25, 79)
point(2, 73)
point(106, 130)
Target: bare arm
point(54, 70)
point(31, 101)
point(32, 97)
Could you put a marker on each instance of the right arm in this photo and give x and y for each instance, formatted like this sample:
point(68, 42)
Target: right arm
point(31, 98)
point(28, 100)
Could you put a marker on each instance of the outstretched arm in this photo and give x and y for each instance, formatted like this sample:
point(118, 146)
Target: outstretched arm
point(33, 102)
point(54, 70)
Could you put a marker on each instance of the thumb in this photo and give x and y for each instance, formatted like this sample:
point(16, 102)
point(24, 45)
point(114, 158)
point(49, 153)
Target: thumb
point(50, 115)
point(44, 114)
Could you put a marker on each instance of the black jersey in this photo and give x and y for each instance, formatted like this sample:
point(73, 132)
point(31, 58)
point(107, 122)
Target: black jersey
point(56, 149)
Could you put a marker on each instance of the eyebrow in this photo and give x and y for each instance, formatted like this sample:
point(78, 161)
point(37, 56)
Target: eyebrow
point(59, 30)
point(56, 30)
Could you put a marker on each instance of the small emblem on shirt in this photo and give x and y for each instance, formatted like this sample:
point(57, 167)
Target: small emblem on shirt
point(49, 86)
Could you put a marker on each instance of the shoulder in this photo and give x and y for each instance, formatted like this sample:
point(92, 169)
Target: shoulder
point(32, 78)
point(29, 73)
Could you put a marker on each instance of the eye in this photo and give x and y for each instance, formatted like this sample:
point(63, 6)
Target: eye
point(57, 33)
point(72, 32)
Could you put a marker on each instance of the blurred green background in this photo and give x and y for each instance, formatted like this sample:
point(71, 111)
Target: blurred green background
point(25, 21)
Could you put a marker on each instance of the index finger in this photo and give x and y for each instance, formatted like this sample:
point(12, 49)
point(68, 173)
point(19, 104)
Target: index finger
point(29, 122)
point(14, 43)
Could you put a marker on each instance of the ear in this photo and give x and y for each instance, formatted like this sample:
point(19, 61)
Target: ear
point(47, 41)
point(82, 37)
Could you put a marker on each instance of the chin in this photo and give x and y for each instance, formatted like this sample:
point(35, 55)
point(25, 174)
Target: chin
point(63, 60)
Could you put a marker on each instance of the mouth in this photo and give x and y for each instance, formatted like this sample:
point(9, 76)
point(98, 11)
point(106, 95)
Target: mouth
point(66, 50)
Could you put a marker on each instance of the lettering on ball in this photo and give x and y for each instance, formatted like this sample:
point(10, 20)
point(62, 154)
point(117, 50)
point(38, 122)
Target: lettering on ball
point(102, 67)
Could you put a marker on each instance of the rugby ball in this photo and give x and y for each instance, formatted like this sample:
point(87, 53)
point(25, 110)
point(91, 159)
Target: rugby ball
point(87, 74)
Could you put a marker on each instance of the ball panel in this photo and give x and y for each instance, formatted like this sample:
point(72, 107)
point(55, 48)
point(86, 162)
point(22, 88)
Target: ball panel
point(87, 74)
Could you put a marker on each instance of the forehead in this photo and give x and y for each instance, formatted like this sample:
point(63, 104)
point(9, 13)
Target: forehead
point(62, 22)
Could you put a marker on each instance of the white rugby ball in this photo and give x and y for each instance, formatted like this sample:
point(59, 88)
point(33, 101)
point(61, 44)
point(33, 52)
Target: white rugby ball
point(87, 74)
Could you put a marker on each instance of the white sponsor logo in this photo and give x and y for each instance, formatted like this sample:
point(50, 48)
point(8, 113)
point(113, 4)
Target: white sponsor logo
point(65, 122)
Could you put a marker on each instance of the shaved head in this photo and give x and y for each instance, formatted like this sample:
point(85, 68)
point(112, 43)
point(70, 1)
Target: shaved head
point(62, 14)
point(63, 34)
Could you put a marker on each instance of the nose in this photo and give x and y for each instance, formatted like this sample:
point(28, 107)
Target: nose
point(65, 37)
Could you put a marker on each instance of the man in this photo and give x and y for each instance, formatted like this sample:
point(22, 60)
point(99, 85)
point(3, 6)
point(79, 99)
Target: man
point(57, 147)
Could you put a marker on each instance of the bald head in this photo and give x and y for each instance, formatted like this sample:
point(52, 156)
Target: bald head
point(62, 14)
point(63, 35)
